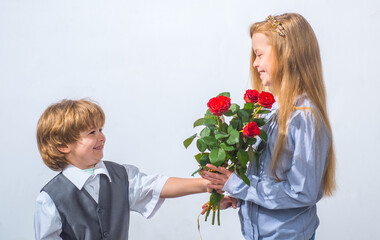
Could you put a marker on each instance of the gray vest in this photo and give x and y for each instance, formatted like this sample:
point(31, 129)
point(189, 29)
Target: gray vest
point(82, 218)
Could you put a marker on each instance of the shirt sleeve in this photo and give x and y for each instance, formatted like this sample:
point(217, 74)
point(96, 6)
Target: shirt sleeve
point(144, 191)
point(302, 182)
point(47, 222)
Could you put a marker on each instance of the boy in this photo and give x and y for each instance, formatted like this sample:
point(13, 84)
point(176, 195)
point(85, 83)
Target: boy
point(91, 199)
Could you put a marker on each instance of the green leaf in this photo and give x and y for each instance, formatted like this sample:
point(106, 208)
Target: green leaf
point(251, 141)
point(199, 122)
point(189, 140)
point(208, 113)
point(230, 128)
point(224, 127)
point(211, 141)
point(263, 135)
point(210, 122)
point(205, 132)
point(196, 171)
point(261, 147)
point(249, 111)
point(234, 108)
point(241, 173)
point(215, 198)
point(228, 113)
point(234, 137)
point(243, 113)
point(220, 135)
point(251, 154)
point(259, 121)
point(227, 147)
point(245, 179)
point(263, 111)
point(198, 157)
point(226, 94)
point(248, 106)
point(217, 156)
point(242, 157)
point(204, 160)
point(257, 157)
point(236, 124)
point(201, 145)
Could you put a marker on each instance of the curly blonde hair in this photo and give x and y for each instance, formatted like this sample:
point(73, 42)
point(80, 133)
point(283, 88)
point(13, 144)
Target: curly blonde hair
point(61, 124)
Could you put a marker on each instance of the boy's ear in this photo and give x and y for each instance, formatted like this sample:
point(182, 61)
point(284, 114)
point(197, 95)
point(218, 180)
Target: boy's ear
point(63, 149)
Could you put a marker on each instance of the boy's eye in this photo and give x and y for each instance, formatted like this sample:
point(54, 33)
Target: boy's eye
point(92, 132)
point(100, 129)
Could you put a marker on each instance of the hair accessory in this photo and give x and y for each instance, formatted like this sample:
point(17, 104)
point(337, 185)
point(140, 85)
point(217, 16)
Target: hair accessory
point(276, 25)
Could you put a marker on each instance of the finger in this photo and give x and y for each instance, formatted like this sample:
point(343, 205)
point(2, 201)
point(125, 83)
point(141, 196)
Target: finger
point(223, 171)
point(215, 175)
point(214, 178)
point(215, 186)
point(219, 169)
point(233, 203)
point(211, 167)
point(203, 211)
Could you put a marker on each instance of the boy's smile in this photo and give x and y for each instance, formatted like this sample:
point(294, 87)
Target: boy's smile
point(88, 150)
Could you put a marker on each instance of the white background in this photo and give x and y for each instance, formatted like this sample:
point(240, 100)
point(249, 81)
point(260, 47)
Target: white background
point(153, 65)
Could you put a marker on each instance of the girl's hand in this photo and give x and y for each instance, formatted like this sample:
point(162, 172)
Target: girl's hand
point(225, 203)
point(217, 179)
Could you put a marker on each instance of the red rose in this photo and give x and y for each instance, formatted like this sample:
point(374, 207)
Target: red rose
point(266, 99)
point(219, 105)
point(251, 96)
point(251, 129)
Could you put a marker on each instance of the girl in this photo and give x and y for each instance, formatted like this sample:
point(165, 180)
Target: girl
point(297, 167)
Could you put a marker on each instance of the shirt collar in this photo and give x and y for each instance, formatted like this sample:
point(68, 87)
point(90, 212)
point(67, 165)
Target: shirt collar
point(79, 177)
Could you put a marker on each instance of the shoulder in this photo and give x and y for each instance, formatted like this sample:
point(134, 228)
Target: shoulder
point(113, 166)
point(52, 182)
point(45, 204)
point(305, 113)
point(307, 119)
point(131, 170)
point(44, 199)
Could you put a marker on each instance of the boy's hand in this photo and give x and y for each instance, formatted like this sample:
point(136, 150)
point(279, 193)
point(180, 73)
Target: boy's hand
point(225, 203)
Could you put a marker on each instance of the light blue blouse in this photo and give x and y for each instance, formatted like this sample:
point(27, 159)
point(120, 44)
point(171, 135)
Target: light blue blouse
point(286, 209)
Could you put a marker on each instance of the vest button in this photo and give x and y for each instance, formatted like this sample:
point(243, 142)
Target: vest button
point(106, 234)
point(100, 210)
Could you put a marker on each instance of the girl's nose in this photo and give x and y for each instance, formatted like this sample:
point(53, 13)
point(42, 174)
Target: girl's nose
point(255, 64)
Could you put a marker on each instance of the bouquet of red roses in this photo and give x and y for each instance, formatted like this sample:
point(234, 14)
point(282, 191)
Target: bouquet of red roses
point(230, 145)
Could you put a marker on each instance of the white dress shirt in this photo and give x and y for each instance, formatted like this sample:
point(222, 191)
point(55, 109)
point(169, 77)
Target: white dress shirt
point(144, 196)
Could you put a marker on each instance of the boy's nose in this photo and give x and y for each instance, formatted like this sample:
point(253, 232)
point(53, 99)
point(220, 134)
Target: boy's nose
point(102, 137)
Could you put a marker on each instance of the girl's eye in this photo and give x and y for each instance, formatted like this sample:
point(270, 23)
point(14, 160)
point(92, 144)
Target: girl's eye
point(101, 130)
point(92, 132)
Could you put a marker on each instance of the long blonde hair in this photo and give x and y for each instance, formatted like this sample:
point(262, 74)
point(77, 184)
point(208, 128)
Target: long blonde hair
point(297, 70)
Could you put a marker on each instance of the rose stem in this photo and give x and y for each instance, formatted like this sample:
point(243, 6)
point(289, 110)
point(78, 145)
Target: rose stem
point(256, 111)
point(208, 211)
point(213, 216)
point(219, 214)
